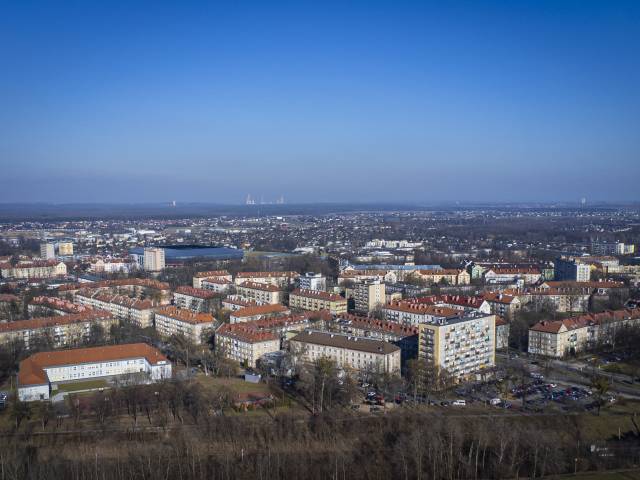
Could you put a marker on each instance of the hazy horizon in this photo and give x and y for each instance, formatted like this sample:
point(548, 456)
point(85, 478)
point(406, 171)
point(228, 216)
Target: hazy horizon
point(391, 102)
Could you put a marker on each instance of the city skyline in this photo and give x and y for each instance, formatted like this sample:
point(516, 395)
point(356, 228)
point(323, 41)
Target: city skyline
point(320, 103)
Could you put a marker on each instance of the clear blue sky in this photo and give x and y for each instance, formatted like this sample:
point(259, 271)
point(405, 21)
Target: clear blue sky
point(319, 101)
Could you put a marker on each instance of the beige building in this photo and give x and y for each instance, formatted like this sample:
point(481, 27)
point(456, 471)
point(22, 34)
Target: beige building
point(195, 299)
point(502, 304)
point(33, 269)
point(64, 330)
point(356, 353)
point(245, 344)
point(153, 259)
point(417, 313)
point(139, 312)
point(368, 295)
point(219, 275)
point(261, 293)
point(461, 347)
point(451, 276)
point(315, 300)
point(249, 314)
point(171, 321)
point(65, 249)
point(570, 336)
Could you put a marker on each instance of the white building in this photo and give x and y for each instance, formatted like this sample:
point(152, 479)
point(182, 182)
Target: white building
point(154, 259)
point(47, 251)
point(245, 344)
point(261, 293)
point(42, 371)
point(171, 321)
point(313, 281)
point(357, 353)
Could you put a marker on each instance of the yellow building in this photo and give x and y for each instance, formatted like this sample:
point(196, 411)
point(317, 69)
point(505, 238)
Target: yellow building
point(315, 300)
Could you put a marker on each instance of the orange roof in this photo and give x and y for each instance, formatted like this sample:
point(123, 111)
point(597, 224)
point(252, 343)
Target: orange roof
point(265, 287)
point(185, 315)
point(195, 292)
point(582, 321)
point(423, 308)
point(370, 323)
point(44, 322)
point(498, 297)
point(32, 368)
point(245, 333)
point(260, 310)
point(211, 273)
point(267, 274)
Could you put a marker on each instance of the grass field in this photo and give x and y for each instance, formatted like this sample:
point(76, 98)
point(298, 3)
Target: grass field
point(236, 385)
point(77, 386)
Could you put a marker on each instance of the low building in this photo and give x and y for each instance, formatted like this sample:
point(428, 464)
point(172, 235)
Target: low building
point(244, 343)
point(33, 269)
point(43, 371)
point(64, 330)
point(462, 347)
point(261, 293)
point(249, 314)
point(235, 303)
point(525, 275)
point(450, 276)
point(561, 338)
point(112, 265)
point(503, 305)
point(315, 300)
point(280, 279)
point(195, 299)
point(42, 306)
point(349, 352)
point(216, 285)
point(219, 275)
point(172, 320)
point(416, 313)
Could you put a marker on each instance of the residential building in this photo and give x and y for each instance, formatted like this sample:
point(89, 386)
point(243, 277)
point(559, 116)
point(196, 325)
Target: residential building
point(48, 306)
point(154, 259)
point(312, 281)
point(349, 352)
point(569, 269)
point(47, 251)
point(134, 362)
point(244, 343)
point(261, 293)
point(172, 320)
point(502, 333)
point(112, 265)
point(451, 276)
point(461, 347)
point(410, 313)
point(219, 275)
point(248, 314)
point(64, 330)
point(315, 300)
point(65, 249)
point(33, 269)
point(570, 336)
point(215, 285)
point(503, 305)
point(281, 279)
point(139, 312)
point(235, 303)
point(524, 275)
point(195, 299)
point(368, 295)
point(159, 293)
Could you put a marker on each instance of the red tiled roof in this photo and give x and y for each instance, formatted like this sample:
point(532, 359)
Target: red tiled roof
point(44, 322)
point(332, 297)
point(265, 287)
point(185, 315)
point(582, 321)
point(260, 310)
point(196, 292)
point(212, 273)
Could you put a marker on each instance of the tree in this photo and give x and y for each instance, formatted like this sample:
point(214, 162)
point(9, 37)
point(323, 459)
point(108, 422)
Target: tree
point(19, 410)
point(600, 386)
point(44, 412)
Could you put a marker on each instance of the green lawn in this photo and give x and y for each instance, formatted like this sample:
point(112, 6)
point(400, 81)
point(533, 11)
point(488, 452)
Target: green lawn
point(76, 386)
point(236, 385)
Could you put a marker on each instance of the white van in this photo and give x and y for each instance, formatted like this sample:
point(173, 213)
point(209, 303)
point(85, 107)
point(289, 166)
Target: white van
point(495, 401)
point(459, 403)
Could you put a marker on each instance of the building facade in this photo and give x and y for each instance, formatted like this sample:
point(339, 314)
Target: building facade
point(315, 300)
point(193, 326)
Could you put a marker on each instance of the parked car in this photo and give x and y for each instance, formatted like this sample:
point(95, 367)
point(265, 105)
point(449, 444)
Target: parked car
point(459, 403)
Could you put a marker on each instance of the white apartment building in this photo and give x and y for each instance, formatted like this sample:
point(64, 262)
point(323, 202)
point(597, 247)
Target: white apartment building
point(248, 314)
point(42, 371)
point(356, 353)
point(47, 251)
point(219, 275)
point(171, 321)
point(312, 281)
point(154, 259)
point(417, 313)
point(215, 285)
point(261, 293)
point(368, 295)
point(194, 299)
point(33, 269)
point(462, 347)
point(281, 279)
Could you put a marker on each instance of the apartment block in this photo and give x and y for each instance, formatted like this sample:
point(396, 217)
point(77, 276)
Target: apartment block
point(195, 299)
point(172, 320)
point(139, 312)
point(245, 344)
point(312, 281)
point(261, 293)
point(221, 276)
point(315, 300)
point(368, 295)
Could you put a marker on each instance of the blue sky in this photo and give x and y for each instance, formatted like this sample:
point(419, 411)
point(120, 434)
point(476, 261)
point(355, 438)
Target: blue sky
point(319, 101)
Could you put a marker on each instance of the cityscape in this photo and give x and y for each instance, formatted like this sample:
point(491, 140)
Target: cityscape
point(325, 241)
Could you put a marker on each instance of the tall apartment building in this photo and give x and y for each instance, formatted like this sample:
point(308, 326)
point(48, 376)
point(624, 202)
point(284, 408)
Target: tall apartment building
point(261, 293)
point(313, 281)
point(315, 300)
point(357, 353)
point(171, 321)
point(137, 360)
point(65, 249)
point(47, 251)
point(153, 259)
point(462, 346)
point(368, 295)
point(569, 269)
